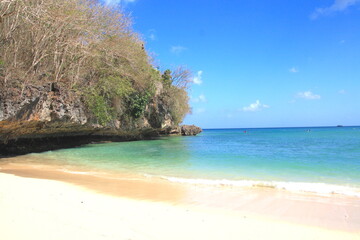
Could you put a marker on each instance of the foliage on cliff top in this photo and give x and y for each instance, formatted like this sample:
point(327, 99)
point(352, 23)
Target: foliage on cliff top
point(84, 46)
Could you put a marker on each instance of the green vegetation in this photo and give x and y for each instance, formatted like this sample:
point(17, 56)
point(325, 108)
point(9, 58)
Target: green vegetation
point(90, 49)
point(166, 78)
point(137, 103)
point(100, 108)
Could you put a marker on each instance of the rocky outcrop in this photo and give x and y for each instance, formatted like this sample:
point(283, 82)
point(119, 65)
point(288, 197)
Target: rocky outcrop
point(183, 130)
point(41, 118)
point(50, 102)
point(190, 130)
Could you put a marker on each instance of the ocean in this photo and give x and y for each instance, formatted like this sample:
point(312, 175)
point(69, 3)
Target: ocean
point(323, 160)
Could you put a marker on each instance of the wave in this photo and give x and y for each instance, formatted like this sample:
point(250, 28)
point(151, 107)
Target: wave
point(317, 188)
point(308, 187)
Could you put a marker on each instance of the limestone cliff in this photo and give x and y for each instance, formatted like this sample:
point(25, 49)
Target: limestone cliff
point(41, 103)
point(47, 117)
point(50, 102)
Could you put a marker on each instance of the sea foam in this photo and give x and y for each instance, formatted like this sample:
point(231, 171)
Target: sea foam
point(308, 187)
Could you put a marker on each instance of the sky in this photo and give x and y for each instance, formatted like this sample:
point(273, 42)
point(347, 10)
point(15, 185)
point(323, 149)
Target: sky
point(259, 63)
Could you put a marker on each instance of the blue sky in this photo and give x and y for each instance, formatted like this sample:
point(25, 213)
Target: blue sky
point(259, 63)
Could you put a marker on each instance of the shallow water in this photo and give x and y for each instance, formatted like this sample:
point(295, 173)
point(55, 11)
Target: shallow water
point(324, 160)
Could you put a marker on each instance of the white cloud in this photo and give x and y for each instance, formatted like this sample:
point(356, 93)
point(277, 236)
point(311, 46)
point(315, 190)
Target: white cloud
point(200, 98)
point(293, 70)
point(337, 6)
point(256, 106)
point(342, 41)
point(197, 79)
point(308, 95)
point(177, 49)
point(342, 91)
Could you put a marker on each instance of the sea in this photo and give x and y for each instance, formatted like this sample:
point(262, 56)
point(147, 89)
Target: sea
point(321, 160)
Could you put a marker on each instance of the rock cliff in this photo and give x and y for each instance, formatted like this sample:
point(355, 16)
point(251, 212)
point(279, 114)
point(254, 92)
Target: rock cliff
point(50, 102)
point(47, 117)
point(42, 103)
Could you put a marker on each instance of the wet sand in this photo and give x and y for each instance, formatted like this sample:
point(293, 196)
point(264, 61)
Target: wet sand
point(30, 194)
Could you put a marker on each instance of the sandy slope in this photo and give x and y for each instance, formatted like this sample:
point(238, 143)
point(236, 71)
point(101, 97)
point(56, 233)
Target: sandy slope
point(45, 209)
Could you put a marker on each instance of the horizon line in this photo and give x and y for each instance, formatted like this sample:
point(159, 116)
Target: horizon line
point(332, 126)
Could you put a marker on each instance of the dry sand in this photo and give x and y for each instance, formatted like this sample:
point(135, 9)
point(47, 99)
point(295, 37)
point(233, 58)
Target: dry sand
point(33, 208)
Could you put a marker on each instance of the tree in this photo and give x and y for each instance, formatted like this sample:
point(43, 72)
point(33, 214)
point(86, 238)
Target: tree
point(181, 77)
point(175, 96)
point(167, 78)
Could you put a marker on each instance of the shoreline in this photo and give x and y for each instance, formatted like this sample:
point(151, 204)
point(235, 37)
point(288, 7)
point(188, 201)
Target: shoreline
point(325, 213)
point(22, 137)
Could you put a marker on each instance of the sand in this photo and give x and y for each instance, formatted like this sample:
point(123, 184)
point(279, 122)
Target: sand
point(34, 208)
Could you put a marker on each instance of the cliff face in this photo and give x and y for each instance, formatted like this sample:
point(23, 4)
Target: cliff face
point(50, 102)
point(41, 103)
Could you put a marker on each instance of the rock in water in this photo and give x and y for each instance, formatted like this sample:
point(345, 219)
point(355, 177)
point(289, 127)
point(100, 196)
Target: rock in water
point(190, 130)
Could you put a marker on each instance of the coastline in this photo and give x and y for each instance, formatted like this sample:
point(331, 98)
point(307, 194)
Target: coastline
point(22, 137)
point(149, 208)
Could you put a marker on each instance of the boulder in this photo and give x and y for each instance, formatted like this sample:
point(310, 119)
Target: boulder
point(190, 130)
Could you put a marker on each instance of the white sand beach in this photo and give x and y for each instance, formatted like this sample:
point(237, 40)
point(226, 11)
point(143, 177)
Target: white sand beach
point(47, 209)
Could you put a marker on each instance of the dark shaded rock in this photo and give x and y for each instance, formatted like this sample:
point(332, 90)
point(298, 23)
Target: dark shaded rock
point(54, 87)
point(190, 130)
point(21, 137)
point(26, 110)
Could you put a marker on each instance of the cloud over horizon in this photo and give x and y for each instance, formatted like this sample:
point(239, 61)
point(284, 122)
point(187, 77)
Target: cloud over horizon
point(308, 95)
point(337, 6)
point(254, 107)
point(293, 70)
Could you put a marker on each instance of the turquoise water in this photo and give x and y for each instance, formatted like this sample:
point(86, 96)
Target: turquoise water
point(328, 156)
